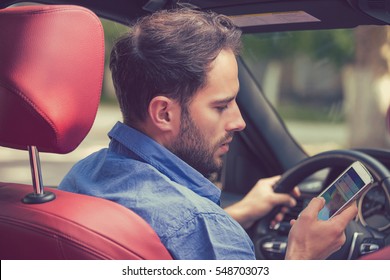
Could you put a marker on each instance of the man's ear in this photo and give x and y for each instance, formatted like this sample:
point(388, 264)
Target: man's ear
point(164, 113)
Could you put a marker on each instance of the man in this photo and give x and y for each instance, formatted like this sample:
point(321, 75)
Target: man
point(176, 80)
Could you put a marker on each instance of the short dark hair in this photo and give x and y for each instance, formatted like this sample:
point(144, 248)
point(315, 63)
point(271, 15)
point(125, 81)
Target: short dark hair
point(168, 53)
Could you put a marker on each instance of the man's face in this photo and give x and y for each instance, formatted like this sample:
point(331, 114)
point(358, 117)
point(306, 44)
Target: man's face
point(208, 124)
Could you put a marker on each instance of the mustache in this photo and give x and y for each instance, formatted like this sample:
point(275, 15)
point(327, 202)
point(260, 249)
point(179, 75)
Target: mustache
point(227, 137)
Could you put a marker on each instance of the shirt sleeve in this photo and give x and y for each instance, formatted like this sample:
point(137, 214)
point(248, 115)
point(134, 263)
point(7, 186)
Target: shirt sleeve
point(210, 236)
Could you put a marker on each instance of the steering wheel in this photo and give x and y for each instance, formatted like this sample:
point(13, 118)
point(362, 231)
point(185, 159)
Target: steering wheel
point(271, 243)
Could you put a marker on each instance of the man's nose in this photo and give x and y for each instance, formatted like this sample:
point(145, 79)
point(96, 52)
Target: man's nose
point(236, 123)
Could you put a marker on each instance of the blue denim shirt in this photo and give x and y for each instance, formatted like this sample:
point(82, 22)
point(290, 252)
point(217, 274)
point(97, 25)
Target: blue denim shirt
point(180, 204)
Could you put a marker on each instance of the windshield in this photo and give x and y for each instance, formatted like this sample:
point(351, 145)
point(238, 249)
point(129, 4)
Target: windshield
point(331, 87)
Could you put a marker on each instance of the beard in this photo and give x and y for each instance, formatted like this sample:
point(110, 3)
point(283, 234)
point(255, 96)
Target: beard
point(192, 147)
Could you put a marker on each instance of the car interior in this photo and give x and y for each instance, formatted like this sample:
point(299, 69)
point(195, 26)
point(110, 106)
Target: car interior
point(52, 68)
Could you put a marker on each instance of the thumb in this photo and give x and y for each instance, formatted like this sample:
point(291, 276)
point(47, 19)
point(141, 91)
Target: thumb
point(271, 180)
point(315, 206)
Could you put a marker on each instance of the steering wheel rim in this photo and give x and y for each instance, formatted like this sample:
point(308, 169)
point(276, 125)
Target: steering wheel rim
point(327, 159)
point(307, 167)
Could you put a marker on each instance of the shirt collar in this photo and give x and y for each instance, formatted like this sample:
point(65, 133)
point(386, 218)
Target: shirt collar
point(163, 160)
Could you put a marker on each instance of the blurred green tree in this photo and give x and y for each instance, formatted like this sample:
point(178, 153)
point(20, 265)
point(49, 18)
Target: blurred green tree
point(112, 30)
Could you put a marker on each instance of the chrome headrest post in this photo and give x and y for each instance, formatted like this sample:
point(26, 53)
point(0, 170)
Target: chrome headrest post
point(39, 195)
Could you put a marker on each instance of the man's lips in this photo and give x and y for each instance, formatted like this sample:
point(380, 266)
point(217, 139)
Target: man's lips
point(225, 145)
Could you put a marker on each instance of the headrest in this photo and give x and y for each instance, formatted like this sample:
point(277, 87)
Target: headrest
point(51, 72)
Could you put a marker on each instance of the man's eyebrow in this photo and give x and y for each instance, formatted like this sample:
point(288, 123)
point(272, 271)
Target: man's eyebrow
point(224, 100)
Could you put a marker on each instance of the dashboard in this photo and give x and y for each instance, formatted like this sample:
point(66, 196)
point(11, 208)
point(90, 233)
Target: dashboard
point(374, 208)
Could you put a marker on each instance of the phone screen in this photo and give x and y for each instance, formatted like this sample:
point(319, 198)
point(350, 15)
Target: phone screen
point(340, 192)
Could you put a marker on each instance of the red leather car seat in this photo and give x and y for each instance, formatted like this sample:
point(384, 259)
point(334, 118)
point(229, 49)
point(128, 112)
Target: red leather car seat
point(52, 63)
point(382, 254)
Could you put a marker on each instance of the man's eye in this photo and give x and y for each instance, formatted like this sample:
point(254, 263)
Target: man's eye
point(222, 108)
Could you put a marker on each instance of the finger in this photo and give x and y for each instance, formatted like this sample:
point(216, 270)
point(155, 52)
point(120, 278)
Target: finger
point(292, 222)
point(314, 206)
point(285, 199)
point(296, 192)
point(278, 217)
point(284, 210)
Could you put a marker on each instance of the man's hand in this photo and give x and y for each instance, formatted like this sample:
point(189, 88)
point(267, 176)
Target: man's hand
point(260, 201)
point(311, 238)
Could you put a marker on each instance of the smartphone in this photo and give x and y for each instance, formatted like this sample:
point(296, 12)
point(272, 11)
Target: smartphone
point(345, 189)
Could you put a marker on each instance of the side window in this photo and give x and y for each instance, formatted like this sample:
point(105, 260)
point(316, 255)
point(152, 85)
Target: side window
point(331, 87)
point(112, 31)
